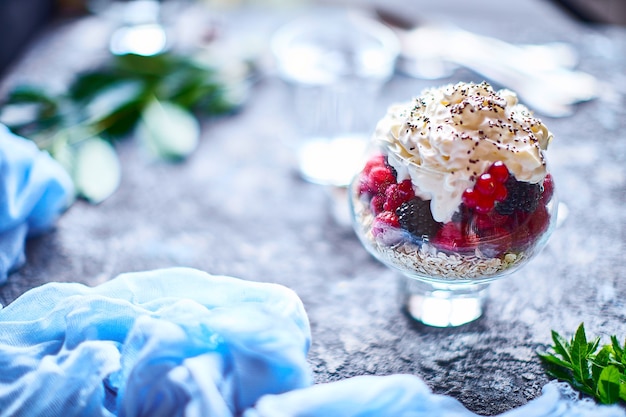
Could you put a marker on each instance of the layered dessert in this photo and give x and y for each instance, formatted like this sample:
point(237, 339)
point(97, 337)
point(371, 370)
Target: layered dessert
point(458, 186)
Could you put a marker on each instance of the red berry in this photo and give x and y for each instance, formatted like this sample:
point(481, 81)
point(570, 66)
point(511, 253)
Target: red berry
point(485, 184)
point(538, 221)
point(383, 221)
point(407, 187)
point(484, 204)
point(395, 196)
point(530, 227)
point(470, 198)
point(377, 203)
point(374, 161)
point(364, 184)
point(380, 178)
point(548, 189)
point(483, 223)
point(452, 238)
point(496, 242)
point(389, 218)
point(499, 172)
point(500, 192)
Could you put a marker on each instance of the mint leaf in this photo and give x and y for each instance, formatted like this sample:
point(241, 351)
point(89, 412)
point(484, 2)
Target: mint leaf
point(600, 362)
point(579, 355)
point(609, 385)
point(561, 346)
point(597, 373)
point(618, 350)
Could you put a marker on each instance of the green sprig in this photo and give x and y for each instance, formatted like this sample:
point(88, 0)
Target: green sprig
point(159, 97)
point(599, 372)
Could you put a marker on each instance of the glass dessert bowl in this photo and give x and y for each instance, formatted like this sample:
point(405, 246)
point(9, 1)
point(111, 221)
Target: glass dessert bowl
point(456, 193)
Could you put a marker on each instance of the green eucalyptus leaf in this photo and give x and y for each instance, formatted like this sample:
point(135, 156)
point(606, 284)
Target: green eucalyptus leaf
point(87, 85)
point(168, 130)
point(30, 94)
point(96, 169)
point(114, 99)
point(16, 115)
point(146, 66)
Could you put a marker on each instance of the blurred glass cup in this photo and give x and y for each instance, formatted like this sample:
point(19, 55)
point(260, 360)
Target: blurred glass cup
point(138, 26)
point(336, 63)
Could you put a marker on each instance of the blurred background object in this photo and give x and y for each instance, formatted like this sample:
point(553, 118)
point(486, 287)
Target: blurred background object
point(19, 21)
point(596, 11)
point(332, 60)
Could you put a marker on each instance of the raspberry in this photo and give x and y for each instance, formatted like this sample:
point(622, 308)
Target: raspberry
point(388, 218)
point(451, 238)
point(521, 195)
point(376, 181)
point(495, 242)
point(377, 204)
point(530, 226)
point(374, 161)
point(383, 221)
point(376, 176)
point(538, 222)
point(485, 222)
point(548, 189)
point(395, 195)
point(415, 217)
point(407, 186)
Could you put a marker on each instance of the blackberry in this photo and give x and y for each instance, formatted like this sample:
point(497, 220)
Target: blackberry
point(415, 217)
point(392, 169)
point(522, 196)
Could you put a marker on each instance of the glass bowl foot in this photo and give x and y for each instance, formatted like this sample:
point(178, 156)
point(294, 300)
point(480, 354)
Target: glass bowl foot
point(443, 305)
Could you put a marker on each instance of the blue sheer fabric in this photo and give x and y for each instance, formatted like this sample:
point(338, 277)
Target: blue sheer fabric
point(163, 343)
point(34, 190)
point(181, 342)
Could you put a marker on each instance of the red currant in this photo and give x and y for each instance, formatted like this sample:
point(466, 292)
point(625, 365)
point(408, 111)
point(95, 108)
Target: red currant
point(485, 184)
point(484, 204)
point(500, 193)
point(499, 172)
point(470, 198)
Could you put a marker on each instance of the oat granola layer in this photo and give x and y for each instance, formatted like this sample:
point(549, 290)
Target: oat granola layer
point(425, 260)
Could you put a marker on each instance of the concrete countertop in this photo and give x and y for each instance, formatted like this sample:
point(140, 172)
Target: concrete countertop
point(237, 207)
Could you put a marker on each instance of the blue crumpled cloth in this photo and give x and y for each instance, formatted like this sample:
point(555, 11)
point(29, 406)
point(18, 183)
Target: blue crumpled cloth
point(181, 342)
point(34, 191)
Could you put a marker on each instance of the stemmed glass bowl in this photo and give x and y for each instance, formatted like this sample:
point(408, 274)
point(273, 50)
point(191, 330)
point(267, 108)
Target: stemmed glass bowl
point(500, 224)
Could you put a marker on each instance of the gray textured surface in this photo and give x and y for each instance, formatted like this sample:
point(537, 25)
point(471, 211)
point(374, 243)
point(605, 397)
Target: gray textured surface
point(237, 207)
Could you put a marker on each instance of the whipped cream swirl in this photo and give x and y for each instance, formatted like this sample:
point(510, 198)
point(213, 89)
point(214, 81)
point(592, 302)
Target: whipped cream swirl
point(447, 137)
